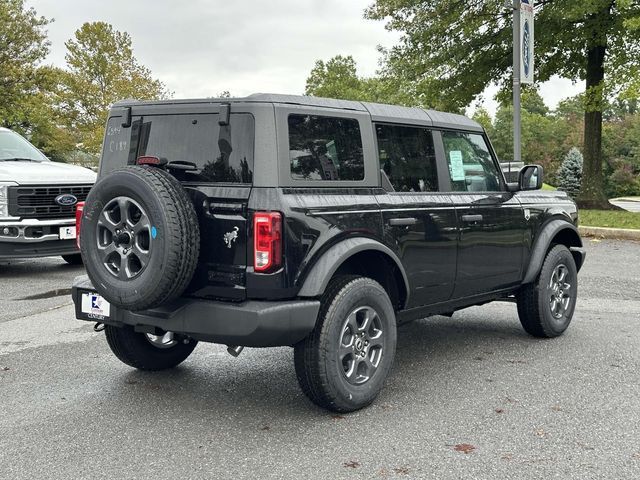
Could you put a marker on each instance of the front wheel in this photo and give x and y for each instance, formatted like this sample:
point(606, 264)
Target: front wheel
point(148, 352)
point(343, 363)
point(546, 306)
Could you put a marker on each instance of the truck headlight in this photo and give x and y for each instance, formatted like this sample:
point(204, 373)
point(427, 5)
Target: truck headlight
point(4, 199)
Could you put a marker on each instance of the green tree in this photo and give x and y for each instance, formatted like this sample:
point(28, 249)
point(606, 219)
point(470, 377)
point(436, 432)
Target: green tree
point(338, 78)
point(570, 173)
point(101, 70)
point(26, 100)
point(452, 50)
point(482, 116)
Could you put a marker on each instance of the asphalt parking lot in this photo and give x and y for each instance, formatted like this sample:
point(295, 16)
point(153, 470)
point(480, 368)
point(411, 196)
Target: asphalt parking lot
point(469, 397)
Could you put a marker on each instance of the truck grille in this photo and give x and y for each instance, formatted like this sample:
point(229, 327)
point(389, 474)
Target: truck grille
point(40, 202)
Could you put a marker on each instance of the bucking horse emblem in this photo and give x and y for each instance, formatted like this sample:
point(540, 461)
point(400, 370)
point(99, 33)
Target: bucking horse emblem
point(231, 237)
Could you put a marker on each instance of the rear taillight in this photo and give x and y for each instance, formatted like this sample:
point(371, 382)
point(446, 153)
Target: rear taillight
point(267, 241)
point(79, 209)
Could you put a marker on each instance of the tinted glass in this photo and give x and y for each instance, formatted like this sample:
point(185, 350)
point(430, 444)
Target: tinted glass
point(471, 166)
point(217, 153)
point(325, 148)
point(408, 157)
point(14, 146)
point(117, 142)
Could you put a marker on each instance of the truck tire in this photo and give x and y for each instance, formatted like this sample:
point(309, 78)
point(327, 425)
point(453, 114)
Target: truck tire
point(75, 259)
point(140, 237)
point(343, 363)
point(546, 306)
point(148, 352)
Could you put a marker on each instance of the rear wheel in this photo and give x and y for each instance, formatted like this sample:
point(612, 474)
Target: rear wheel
point(343, 363)
point(546, 306)
point(73, 259)
point(148, 352)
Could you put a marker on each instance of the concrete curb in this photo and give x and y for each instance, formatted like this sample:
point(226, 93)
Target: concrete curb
point(610, 233)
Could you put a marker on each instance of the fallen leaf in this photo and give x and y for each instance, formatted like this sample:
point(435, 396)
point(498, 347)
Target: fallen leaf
point(556, 408)
point(507, 456)
point(338, 417)
point(636, 456)
point(401, 470)
point(351, 464)
point(499, 410)
point(540, 432)
point(465, 448)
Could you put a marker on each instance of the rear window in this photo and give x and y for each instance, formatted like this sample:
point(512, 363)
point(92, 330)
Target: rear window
point(210, 152)
point(325, 148)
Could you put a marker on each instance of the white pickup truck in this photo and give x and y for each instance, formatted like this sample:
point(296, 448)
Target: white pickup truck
point(38, 199)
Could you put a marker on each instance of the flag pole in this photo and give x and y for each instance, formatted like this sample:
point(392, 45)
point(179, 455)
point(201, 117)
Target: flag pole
point(517, 51)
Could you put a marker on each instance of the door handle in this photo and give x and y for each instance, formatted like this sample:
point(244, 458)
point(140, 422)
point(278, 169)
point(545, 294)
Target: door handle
point(403, 222)
point(471, 218)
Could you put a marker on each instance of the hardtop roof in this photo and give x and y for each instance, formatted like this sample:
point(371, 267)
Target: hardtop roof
point(379, 112)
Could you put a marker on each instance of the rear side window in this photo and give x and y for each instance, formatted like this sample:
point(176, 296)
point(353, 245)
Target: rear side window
point(408, 157)
point(325, 148)
point(471, 167)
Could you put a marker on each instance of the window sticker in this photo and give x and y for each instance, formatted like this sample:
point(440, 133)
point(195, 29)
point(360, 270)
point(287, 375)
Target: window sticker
point(456, 167)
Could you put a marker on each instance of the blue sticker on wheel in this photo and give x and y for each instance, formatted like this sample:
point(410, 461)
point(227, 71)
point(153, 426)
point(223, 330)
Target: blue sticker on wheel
point(154, 232)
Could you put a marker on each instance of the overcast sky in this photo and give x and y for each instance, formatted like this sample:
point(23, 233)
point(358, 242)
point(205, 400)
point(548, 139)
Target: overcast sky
point(200, 48)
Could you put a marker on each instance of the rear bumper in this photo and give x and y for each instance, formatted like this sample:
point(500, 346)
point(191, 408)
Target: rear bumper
point(250, 323)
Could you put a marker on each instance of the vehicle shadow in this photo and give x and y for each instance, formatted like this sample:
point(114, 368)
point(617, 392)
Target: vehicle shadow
point(261, 384)
point(16, 269)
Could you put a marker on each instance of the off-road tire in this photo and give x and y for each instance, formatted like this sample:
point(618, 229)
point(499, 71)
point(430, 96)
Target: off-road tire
point(136, 351)
point(534, 307)
point(317, 365)
point(173, 252)
point(75, 259)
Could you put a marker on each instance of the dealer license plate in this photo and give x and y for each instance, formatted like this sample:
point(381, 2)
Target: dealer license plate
point(94, 306)
point(67, 233)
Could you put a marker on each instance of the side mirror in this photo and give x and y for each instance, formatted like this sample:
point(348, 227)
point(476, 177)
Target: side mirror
point(531, 178)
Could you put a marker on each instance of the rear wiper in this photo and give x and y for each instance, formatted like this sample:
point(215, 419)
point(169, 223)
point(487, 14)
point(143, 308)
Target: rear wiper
point(181, 165)
point(18, 159)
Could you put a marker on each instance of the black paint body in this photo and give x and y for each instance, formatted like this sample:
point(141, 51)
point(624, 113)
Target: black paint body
point(434, 256)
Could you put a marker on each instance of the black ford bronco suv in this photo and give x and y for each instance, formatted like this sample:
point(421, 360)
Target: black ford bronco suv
point(321, 224)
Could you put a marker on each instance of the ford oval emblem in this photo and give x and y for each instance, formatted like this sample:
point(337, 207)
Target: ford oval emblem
point(66, 200)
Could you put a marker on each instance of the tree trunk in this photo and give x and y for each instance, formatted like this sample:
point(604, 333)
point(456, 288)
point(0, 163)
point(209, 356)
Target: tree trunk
point(592, 190)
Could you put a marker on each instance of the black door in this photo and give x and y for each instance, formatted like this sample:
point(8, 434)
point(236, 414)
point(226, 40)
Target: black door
point(491, 221)
point(419, 222)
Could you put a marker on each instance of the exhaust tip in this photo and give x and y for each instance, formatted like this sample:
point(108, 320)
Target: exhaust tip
point(234, 351)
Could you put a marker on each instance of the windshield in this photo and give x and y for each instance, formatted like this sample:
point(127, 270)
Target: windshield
point(15, 147)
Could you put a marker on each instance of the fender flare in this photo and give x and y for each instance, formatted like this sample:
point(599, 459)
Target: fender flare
point(318, 277)
point(541, 245)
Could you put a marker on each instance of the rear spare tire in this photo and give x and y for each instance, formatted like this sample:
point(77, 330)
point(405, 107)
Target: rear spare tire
point(140, 237)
